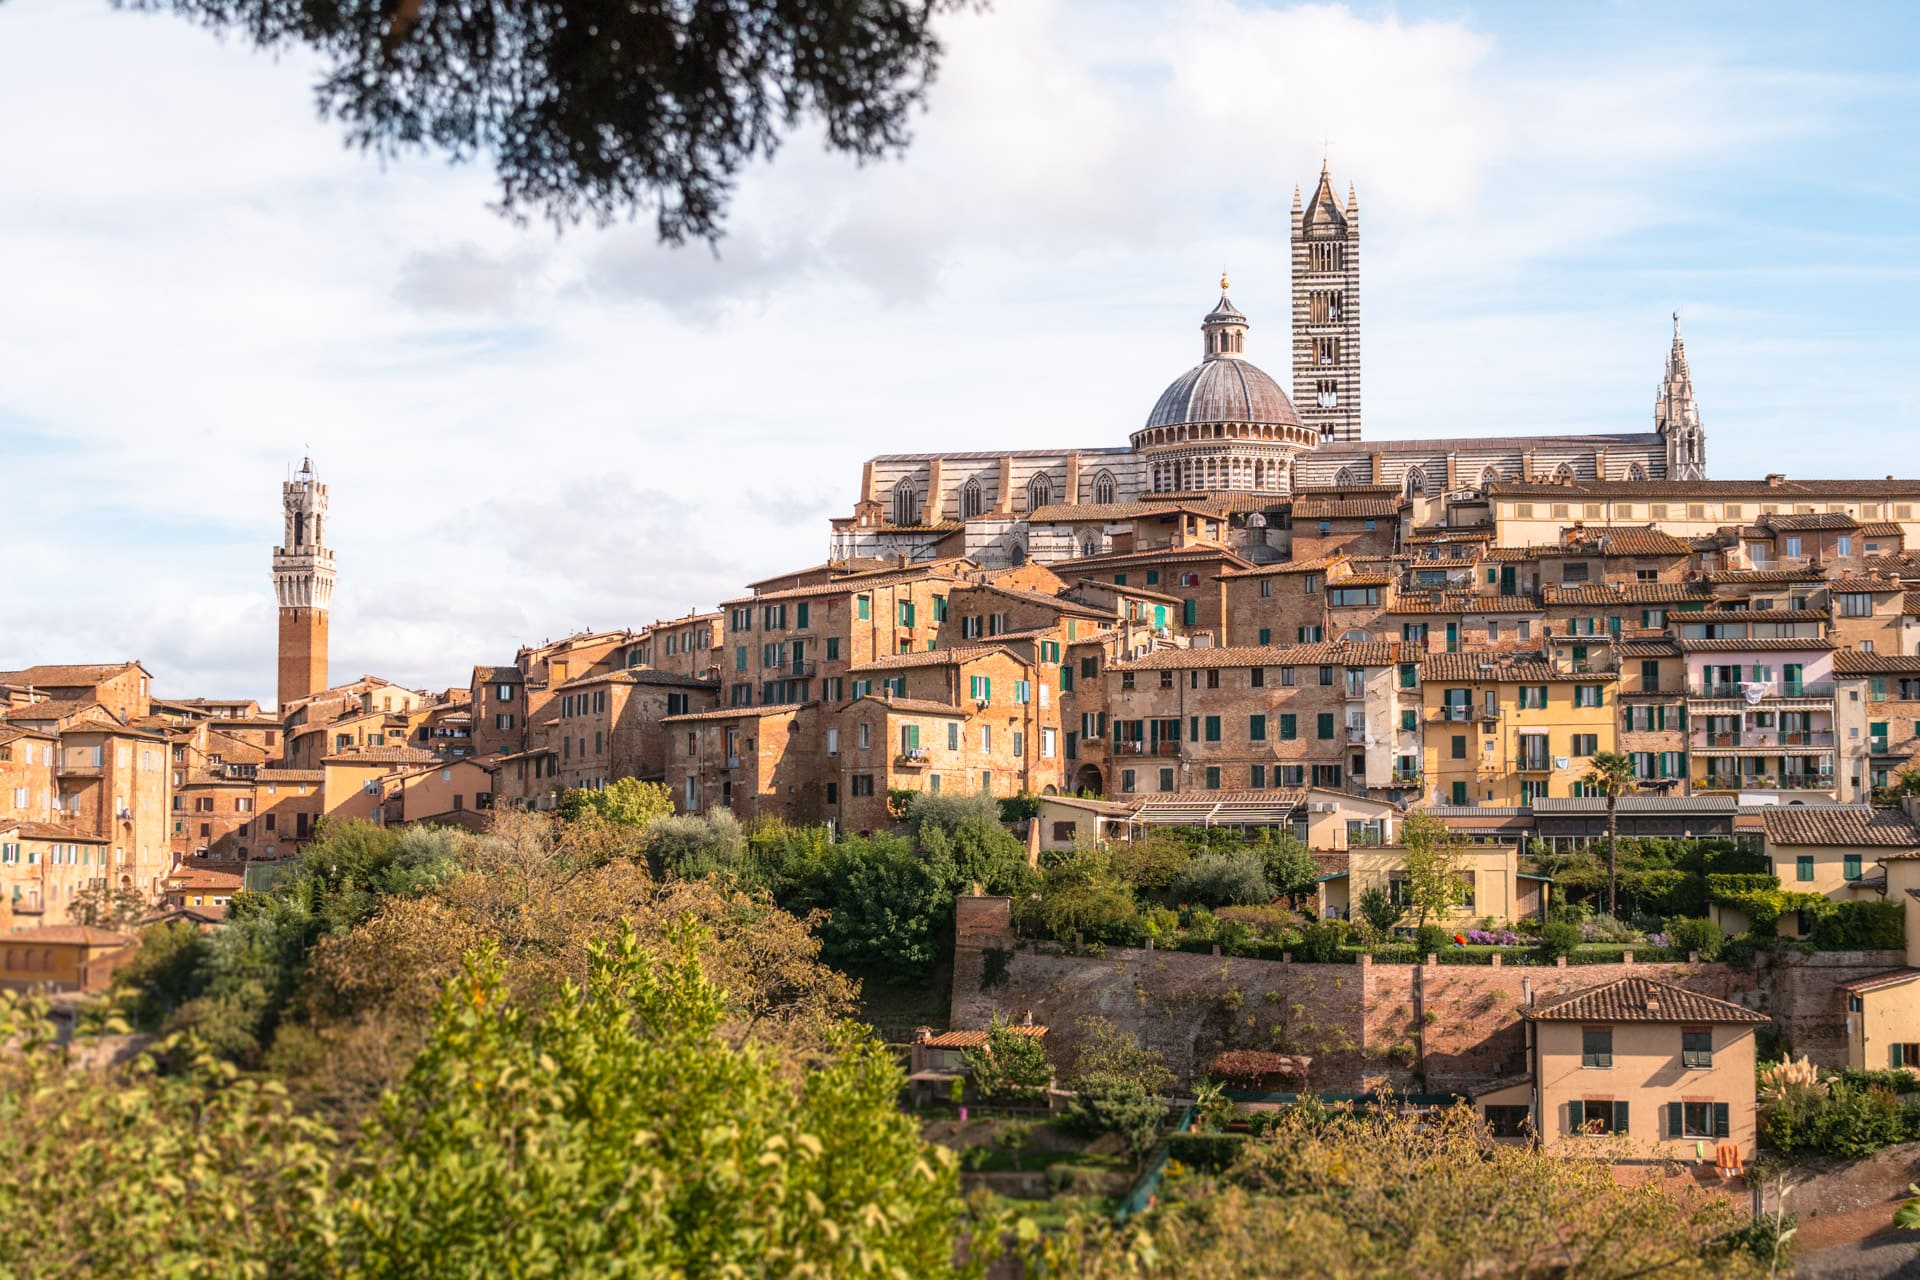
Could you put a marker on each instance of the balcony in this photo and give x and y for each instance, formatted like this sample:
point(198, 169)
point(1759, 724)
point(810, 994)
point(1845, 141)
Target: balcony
point(1535, 764)
point(80, 769)
point(1128, 747)
point(1739, 689)
point(1765, 782)
point(803, 670)
point(913, 758)
point(1450, 715)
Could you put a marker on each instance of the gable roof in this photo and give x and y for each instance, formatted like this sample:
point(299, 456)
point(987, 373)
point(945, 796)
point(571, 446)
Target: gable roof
point(1640, 1000)
point(1878, 981)
point(1374, 653)
point(1840, 826)
point(936, 657)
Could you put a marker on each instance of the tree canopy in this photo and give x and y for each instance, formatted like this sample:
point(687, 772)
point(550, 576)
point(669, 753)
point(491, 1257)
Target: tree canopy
point(599, 109)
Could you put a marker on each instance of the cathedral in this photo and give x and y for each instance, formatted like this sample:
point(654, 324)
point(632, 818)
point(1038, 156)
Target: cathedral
point(1225, 437)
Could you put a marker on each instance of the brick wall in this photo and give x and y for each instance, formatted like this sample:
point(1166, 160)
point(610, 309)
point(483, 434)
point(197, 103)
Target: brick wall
point(1361, 1024)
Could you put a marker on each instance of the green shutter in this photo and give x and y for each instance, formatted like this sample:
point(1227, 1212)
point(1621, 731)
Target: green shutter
point(1576, 1116)
point(1190, 612)
point(1256, 728)
point(1619, 1117)
point(1325, 725)
point(1213, 728)
point(1676, 1120)
point(1193, 728)
point(1266, 636)
point(1289, 726)
point(1722, 1121)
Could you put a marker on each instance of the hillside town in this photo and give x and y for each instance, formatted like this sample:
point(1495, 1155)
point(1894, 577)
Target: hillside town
point(1251, 624)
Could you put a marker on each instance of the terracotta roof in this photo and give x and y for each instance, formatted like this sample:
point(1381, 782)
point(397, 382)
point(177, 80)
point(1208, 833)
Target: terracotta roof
point(1376, 653)
point(930, 572)
point(1065, 511)
point(1785, 490)
point(1751, 615)
point(51, 709)
point(83, 934)
point(733, 713)
point(1756, 644)
point(639, 675)
point(1647, 649)
point(1878, 981)
point(1855, 583)
point(1461, 602)
point(1882, 529)
point(913, 706)
point(290, 775)
point(1840, 826)
point(1473, 667)
point(1818, 520)
point(1317, 564)
point(1735, 576)
point(1851, 662)
point(1640, 1000)
point(52, 831)
point(1345, 509)
point(934, 657)
point(200, 878)
point(1362, 580)
point(1123, 590)
point(382, 755)
point(1624, 593)
point(75, 676)
point(974, 1039)
point(1043, 599)
point(1158, 555)
point(1633, 541)
point(1479, 533)
point(1910, 603)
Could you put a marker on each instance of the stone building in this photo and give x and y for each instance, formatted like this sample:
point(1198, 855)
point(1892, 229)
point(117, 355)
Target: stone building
point(1223, 440)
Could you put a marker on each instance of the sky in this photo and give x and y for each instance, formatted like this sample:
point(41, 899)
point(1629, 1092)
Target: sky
point(527, 433)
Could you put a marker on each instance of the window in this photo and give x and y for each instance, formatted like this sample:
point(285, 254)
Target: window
point(1596, 1047)
point(1696, 1047)
point(1047, 743)
point(1458, 748)
point(1324, 726)
point(1256, 728)
point(863, 607)
point(1850, 867)
point(1213, 728)
point(1905, 1055)
point(1588, 695)
point(1289, 726)
point(1586, 744)
point(1698, 1120)
point(1508, 1122)
point(1533, 696)
point(1803, 867)
point(1596, 1116)
point(1166, 779)
point(1856, 604)
point(861, 784)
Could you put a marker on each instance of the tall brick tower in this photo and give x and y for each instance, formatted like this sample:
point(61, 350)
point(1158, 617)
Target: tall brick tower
point(303, 584)
point(1326, 311)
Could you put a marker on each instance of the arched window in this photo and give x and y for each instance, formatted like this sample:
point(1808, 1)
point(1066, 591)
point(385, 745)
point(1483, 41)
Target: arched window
point(1636, 474)
point(1348, 478)
point(1416, 483)
point(972, 500)
point(1088, 548)
point(906, 503)
point(1490, 476)
point(1563, 472)
point(1039, 492)
point(1103, 487)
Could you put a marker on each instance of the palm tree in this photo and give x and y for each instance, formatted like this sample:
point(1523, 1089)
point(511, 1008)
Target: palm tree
point(1611, 774)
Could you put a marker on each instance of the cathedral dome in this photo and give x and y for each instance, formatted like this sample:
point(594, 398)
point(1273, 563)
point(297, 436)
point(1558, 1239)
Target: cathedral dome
point(1223, 390)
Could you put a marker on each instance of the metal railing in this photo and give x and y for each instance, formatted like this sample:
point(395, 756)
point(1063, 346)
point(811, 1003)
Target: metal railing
point(1774, 689)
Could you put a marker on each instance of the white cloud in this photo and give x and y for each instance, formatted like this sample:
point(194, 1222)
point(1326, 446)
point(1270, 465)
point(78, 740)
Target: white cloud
point(524, 433)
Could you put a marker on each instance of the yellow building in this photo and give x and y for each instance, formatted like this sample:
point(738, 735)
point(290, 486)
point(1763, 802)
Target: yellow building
point(1505, 730)
point(1496, 887)
point(1668, 1068)
point(1883, 1020)
point(1834, 851)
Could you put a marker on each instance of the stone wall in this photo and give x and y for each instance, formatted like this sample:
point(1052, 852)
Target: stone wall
point(1439, 1026)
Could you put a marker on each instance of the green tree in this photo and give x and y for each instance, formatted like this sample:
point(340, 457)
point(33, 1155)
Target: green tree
point(625, 802)
point(1080, 893)
point(618, 1132)
point(1432, 862)
point(1378, 911)
point(1218, 879)
point(602, 108)
point(1012, 1066)
point(1611, 775)
point(888, 910)
point(1388, 1194)
point(1118, 1087)
point(696, 845)
point(108, 908)
point(194, 1171)
point(1291, 869)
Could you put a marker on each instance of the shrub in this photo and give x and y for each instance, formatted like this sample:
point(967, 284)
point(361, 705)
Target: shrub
point(1858, 1122)
point(1860, 926)
point(1321, 941)
point(1496, 938)
point(1269, 921)
point(1559, 939)
point(1896, 1081)
point(1081, 893)
point(1206, 1152)
point(1604, 928)
point(1219, 878)
point(1431, 939)
point(1377, 908)
point(1701, 935)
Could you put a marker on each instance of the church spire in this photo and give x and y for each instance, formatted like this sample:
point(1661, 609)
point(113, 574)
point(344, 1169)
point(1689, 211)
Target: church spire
point(1677, 417)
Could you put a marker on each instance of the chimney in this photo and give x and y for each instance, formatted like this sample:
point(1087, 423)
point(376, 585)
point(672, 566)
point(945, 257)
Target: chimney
point(922, 1034)
point(1775, 479)
point(1526, 992)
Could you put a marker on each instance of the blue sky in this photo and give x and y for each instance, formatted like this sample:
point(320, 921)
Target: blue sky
point(526, 434)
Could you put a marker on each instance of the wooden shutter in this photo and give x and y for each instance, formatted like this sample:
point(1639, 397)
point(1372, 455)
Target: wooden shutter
point(1722, 1125)
point(1619, 1117)
point(1576, 1116)
point(1676, 1120)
